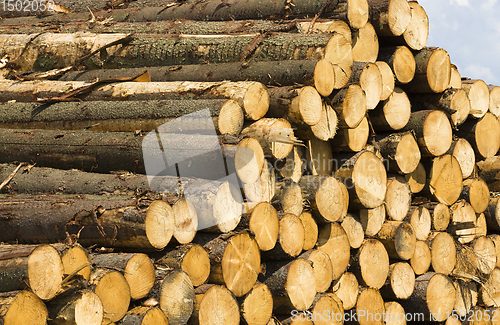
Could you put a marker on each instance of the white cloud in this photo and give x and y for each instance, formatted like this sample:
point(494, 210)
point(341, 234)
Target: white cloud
point(464, 3)
point(478, 71)
point(488, 5)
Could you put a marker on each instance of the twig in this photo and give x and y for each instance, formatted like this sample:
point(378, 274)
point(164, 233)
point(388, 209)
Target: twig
point(326, 4)
point(11, 176)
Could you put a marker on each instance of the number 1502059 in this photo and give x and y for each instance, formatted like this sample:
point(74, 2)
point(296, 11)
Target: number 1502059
point(28, 5)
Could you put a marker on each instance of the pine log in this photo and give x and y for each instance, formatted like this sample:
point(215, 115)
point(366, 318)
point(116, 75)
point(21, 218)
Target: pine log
point(264, 189)
point(372, 219)
point(494, 107)
point(159, 50)
point(440, 216)
point(256, 306)
point(299, 105)
point(387, 79)
point(41, 271)
point(433, 298)
point(75, 258)
point(310, 230)
point(326, 128)
point(445, 179)
point(443, 252)
point(391, 17)
point(338, 51)
point(475, 191)
point(401, 150)
point(324, 77)
point(417, 31)
point(489, 292)
point(370, 307)
point(365, 44)
point(252, 96)
point(327, 196)
point(432, 130)
point(357, 12)
point(290, 239)
point(456, 78)
point(353, 140)
point(496, 241)
point(185, 220)
point(326, 307)
point(483, 135)
point(488, 170)
point(370, 80)
point(77, 308)
point(371, 264)
point(333, 240)
point(263, 221)
point(395, 313)
point(392, 113)
point(249, 160)
point(22, 307)
point(481, 225)
point(432, 72)
point(291, 198)
point(398, 199)
point(463, 221)
point(401, 61)
point(323, 26)
point(484, 249)
point(479, 96)
point(319, 157)
point(118, 151)
point(275, 136)
point(398, 238)
point(401, 282)
point(417, 178)
point(292, 167)
point(137, 269)
point(463, 151)
point(421, 259)
point(113, 290)
point(366, 179)
point(354, 230)
point(347, 289)
point(190, 258)
point(293, 286)
point(464, 301)
point(420, 219)
point(275, 73)
point(175, 293)
point(453, 101)
point(227, 115)
point(237, 11)
point(322, 268)
point(144, 316)
point(350, 104)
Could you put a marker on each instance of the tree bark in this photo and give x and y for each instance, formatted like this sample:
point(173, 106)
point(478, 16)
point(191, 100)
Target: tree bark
point(272, 73)
point(144, 315)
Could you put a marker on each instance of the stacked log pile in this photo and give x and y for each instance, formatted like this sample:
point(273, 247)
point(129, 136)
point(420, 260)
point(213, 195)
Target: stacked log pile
point(204, 162)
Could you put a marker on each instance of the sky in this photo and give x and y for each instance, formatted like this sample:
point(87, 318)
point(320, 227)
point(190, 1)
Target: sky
point(470, 31)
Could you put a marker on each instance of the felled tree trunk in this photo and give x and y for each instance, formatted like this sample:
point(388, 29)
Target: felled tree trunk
point(78, 308)
point(22, 307)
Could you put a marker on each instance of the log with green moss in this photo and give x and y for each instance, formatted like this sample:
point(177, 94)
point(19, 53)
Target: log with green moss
point(275, 73)
point(157, 50)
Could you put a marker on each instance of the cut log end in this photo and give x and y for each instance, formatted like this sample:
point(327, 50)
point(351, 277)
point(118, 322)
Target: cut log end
point(387, 79)
point(417, 31)
point(231, 118)
point(256, 101)
point(370, 302)
point(249, 160)
point(24, 308)
point(439, 71)
point(45, 271)
point(301, 284)
point(324, 77)
point(417, 179)
point(257, 307)
point(264, 224)
point(374, 263)
point(186, 221)
point(365, 44)
point(218, 306)
point(421, 259)
point(160, 224)
point(114, 292)
point(487, 135)
point(404, 65)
